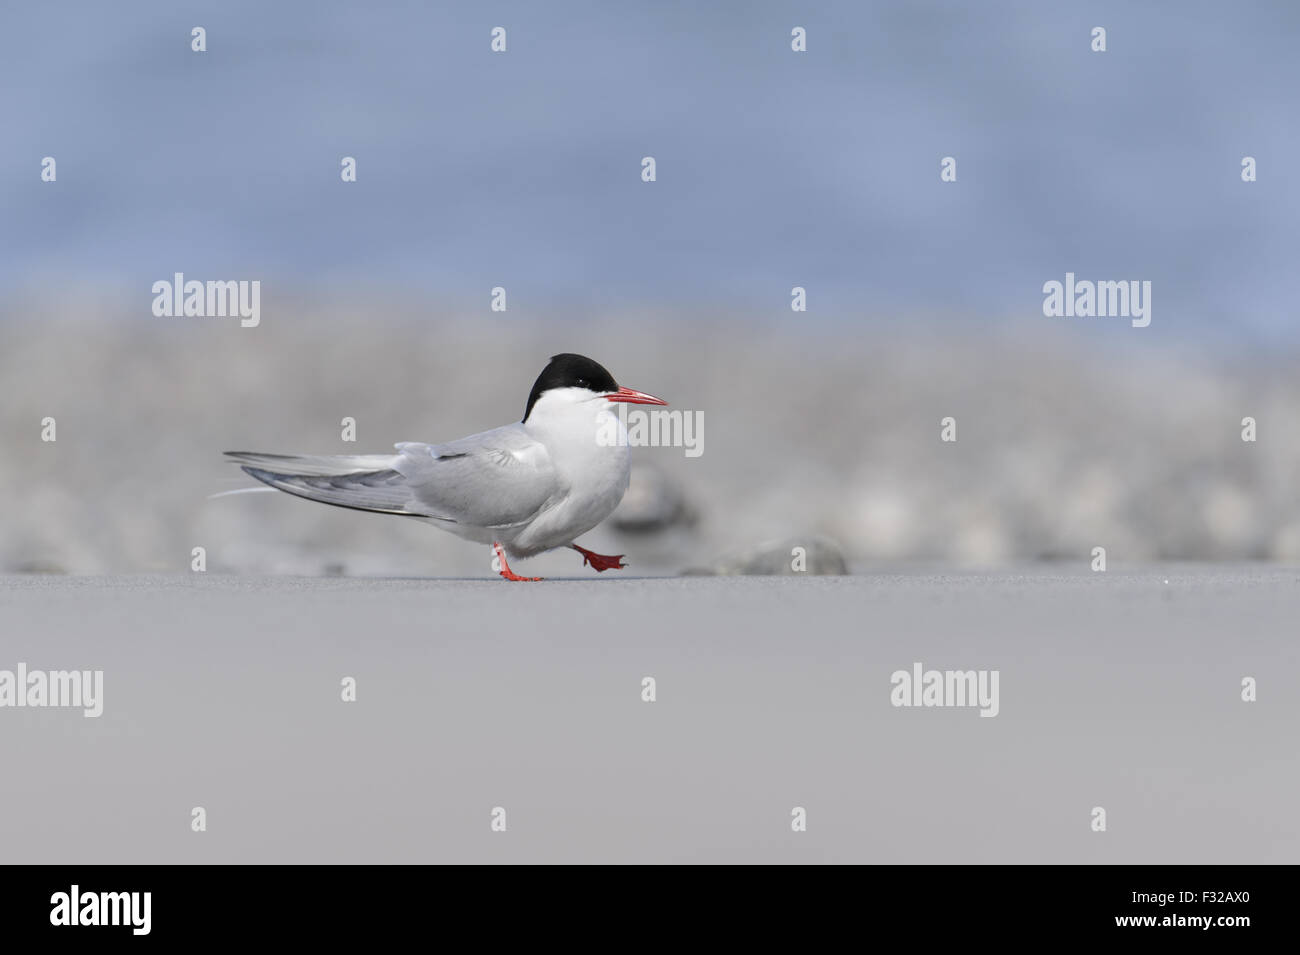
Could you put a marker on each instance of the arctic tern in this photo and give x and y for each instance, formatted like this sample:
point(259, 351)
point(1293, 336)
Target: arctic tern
point(523, 488)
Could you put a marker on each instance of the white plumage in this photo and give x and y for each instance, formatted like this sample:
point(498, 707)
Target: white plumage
point(530, 486)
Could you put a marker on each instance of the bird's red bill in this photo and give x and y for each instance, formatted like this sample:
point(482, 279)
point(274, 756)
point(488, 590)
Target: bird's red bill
point(635, 397)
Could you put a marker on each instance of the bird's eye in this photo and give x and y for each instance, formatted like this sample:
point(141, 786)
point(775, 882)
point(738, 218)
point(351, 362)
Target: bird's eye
point(582, 382)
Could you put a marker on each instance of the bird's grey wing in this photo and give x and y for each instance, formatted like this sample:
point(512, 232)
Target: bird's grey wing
point(365, 482)
point(499, 478)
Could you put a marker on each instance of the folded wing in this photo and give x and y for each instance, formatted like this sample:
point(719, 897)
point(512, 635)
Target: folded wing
point(499, 478)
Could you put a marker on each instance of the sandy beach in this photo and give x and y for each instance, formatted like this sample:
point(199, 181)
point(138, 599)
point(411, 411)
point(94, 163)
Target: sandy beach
point(1118, 690)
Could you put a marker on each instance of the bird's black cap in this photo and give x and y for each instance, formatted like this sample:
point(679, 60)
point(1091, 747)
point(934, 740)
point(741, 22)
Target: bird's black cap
point(571, 371)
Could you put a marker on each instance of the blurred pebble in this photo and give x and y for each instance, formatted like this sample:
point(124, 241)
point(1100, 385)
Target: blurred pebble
point(653, 503)
point(816, 556)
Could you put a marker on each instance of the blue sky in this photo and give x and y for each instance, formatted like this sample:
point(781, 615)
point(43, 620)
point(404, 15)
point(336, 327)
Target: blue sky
point(775, 169)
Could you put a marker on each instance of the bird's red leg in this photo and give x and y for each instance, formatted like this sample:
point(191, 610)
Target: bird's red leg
point(505, 570)
point(600, 562)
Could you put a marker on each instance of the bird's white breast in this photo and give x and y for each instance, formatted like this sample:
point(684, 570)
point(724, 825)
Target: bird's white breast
point(587, 446)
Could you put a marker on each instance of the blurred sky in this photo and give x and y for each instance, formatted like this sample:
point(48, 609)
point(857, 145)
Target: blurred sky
point(774, 168)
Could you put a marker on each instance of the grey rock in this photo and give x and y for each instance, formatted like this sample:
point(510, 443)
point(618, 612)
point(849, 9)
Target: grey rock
point(39, 566)
point(654, 502)
point(815, 556)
